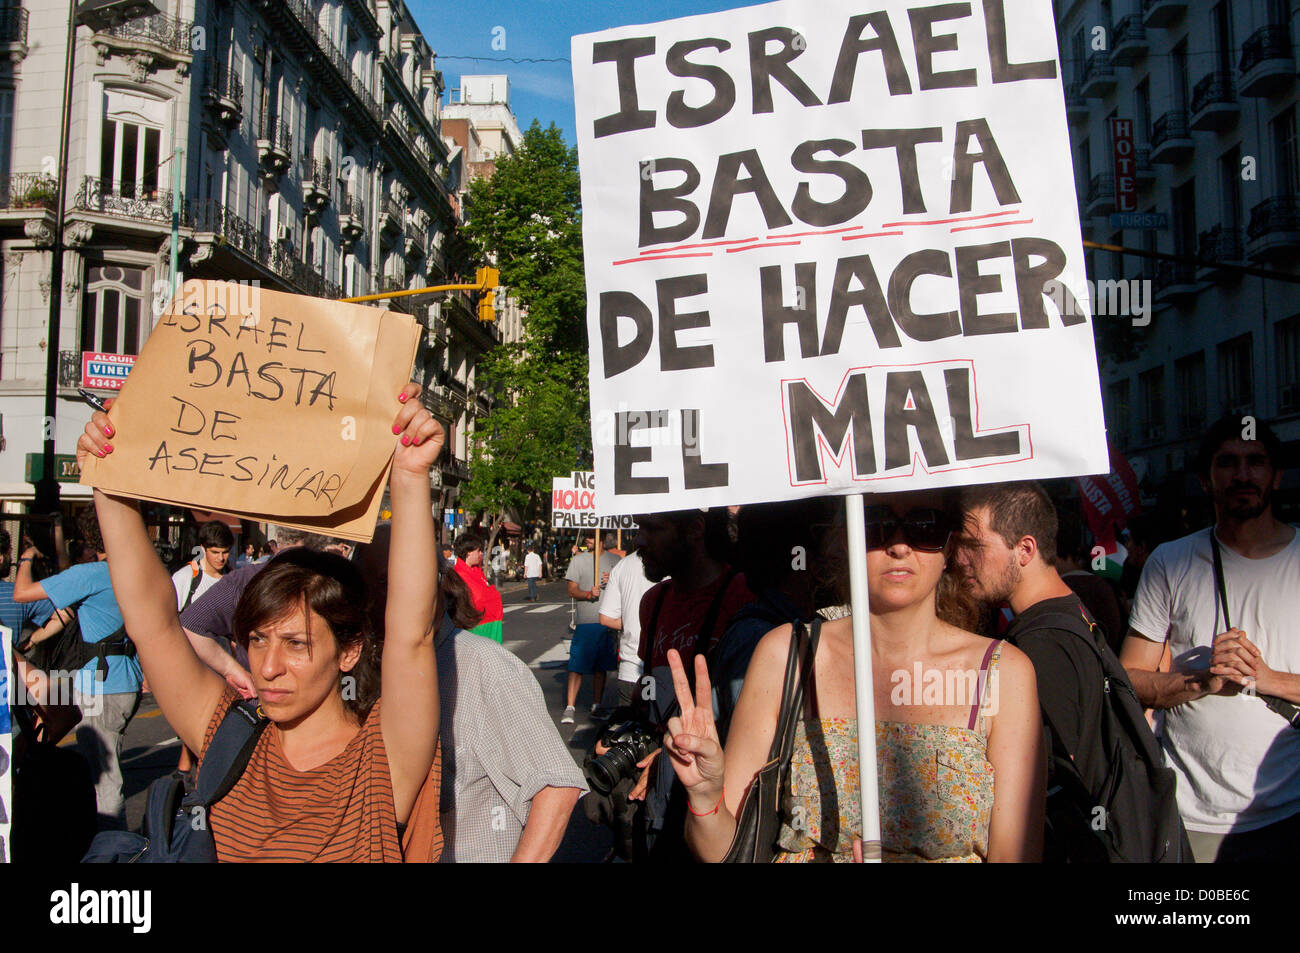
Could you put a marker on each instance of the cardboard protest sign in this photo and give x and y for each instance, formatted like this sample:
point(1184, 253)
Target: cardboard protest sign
point(268, 406)
point(7, 726)
point(573, 504)
point(829, 249)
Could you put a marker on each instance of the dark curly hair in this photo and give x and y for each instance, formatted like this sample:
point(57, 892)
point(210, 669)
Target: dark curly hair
point(334, 589)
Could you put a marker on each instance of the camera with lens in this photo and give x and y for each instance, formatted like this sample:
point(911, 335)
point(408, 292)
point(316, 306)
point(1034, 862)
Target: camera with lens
point(629, 742)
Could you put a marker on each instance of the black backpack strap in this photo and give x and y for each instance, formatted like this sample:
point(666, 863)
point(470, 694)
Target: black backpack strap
point(228, 753)
point(194, 586)
point(119, 643)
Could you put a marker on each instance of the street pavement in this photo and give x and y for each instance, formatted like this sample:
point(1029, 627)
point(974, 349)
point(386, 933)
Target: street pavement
point(536, 633)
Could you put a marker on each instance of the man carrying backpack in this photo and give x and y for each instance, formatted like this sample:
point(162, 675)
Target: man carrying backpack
point(204, 571)
point(1097, 810)
point(107, 675)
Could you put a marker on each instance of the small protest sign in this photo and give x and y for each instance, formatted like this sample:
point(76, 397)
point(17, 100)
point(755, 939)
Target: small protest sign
point(573, 504)
point(264, 405)
point(832, 248)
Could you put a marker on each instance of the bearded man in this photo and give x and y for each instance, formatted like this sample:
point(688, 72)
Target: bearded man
point(1224, 600)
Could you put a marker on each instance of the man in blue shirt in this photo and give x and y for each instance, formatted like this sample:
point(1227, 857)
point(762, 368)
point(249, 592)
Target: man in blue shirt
point(107, 706)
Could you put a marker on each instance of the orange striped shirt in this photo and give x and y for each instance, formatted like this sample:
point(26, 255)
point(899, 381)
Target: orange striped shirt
point(339, 812)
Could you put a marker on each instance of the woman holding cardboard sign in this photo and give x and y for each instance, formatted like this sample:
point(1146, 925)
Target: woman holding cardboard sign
point(960, 753)
point(336, 772)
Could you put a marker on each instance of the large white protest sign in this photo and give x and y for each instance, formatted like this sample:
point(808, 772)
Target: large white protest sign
point(832, 248)
point(573, 504)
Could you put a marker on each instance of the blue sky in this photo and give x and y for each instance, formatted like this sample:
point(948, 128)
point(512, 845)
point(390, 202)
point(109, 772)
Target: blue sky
point(535, 29)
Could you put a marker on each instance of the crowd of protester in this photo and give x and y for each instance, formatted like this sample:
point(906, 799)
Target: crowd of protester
point(1028, 707)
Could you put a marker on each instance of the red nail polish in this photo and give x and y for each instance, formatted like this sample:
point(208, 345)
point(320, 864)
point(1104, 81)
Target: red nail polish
point(402, 398)
point(396, 429)
point(108, 448)
point(406, 441)
point(108, 430)
point(100, 452)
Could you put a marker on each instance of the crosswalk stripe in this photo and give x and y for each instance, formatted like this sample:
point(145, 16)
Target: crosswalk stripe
point(543, 608)
point(508, 609)
point(556, 653)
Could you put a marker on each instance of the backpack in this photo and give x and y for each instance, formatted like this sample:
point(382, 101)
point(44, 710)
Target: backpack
point(67, 651)
point(176, 825)
point(1134, 817)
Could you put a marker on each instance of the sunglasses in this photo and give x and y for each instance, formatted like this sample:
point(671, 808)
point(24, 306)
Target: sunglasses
point(925, 529)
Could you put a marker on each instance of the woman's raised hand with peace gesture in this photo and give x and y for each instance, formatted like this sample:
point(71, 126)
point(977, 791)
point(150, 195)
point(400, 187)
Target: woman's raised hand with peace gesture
point(692, 738)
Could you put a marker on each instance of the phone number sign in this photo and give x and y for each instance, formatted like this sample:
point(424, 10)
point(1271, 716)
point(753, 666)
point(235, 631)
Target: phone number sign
point(105, 371)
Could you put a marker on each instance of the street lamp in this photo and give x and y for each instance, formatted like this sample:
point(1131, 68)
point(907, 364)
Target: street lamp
point(98, 15)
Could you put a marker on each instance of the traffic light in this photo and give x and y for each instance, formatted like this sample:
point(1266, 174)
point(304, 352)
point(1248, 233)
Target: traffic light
point(487, 278)
point(487, 309)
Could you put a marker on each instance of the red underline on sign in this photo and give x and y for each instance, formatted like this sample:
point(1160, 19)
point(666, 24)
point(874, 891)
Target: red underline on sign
point(824, 231)
point(967, 228)
point(732, 251)
point(629, 261)
point(732, 241)
point(854, 238)
point(949, 221)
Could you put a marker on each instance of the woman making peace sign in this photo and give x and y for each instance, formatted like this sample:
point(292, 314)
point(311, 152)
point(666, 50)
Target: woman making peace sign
point(961, 778)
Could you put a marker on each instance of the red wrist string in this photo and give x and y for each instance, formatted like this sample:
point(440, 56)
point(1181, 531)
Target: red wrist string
point(708, 813)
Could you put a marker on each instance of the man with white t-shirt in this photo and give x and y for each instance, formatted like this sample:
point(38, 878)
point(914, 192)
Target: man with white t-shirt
point(620, 609)
point(1232, 646)
point(532, 571)
point(205, 570)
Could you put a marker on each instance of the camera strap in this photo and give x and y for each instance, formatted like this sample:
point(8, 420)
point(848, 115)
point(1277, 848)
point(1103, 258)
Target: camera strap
point(1283, 707)
point(701, 638)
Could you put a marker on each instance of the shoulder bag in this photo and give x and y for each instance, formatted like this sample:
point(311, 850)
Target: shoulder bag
point(759, 822)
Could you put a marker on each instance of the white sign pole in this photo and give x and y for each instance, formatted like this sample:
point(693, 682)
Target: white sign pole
point(862, 678)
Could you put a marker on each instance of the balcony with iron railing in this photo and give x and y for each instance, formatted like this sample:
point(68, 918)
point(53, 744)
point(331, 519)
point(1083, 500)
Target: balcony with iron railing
point(28, 190)
point(1171, 140)
point(148, 43)
point(413, 241)
point(124, 200)
point(1214, 103)
point(1128, 42)
point(1274, 229)
point(1101, 195)
point(1267, 62)
point(456, 467)
point(1175, 281)
point(1098, 75)
point(275, 147)
point(1144, 171)
point(304, 19)
point(1219, 246)
point(13, 32)
point(352, 217)
point(316, 183)
point(223, 93)
point(214, 224)
point(1160, 13)
point(394, 212)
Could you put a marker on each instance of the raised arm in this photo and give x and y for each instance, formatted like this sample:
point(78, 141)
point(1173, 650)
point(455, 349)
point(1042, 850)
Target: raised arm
point(717, 785)
point(409, 688)
point(186, 689)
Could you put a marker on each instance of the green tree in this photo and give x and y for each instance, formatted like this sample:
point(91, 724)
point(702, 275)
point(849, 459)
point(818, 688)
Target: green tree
point(527, 218)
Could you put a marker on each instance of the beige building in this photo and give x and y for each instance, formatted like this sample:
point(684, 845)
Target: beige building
point(313, 162)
